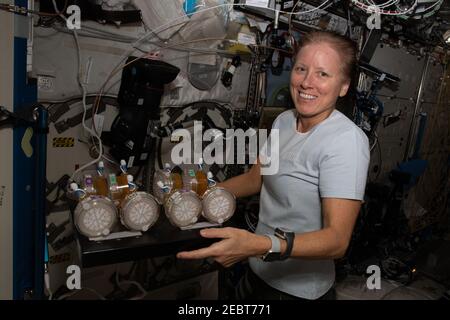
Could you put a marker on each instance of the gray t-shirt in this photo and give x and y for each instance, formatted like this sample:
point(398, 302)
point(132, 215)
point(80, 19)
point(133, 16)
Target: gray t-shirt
point(330, 160)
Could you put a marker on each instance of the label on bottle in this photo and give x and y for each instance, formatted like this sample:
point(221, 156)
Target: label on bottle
point(88, 184)
point(112, 181)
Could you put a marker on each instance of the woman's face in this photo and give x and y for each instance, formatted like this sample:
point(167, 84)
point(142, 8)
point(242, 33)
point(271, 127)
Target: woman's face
point(317, 80)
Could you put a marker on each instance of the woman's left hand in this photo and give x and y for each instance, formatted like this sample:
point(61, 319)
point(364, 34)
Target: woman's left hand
point(237, 245)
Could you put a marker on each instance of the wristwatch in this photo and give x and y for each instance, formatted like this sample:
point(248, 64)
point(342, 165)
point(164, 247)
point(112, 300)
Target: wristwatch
point(288, 236)
point(274, 252)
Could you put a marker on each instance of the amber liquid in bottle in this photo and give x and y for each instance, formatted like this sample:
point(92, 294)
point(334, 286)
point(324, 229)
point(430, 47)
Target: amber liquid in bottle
point(177, 181)
point(101, 185)
point(202, 182)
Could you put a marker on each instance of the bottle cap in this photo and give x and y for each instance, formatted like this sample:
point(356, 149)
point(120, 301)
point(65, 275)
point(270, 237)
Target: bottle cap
point(160, 184)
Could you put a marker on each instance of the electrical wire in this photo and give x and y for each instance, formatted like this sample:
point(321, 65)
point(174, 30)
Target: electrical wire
point(435, 115)
point(281, 11)
point(130, 282)
point(72, 293)
point(129, 52)
point(169, 24)
point(367, 40)
point(349, 23)
point(250, 224)
point(75, 98)
point(295, 6)
point(380, 160)
point(84, 93)
point(166, 47)
point(106, 32)
point(115, 71)
point(409, 288)
point(143, 38)
point(72, 100)
point(374, 144)
point(99, 35)
point(22, 10)
point(47, 283)
point(91, 34)
point(383, 5)
point(369, 8)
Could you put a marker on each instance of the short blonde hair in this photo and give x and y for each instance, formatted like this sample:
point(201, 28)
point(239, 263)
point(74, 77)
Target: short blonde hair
point(345, 47)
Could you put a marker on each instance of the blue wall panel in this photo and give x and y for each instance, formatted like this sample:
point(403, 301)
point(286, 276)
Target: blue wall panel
point(23, 185)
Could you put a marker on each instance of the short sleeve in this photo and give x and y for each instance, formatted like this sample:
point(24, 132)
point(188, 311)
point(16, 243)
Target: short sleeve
point(267, 149)
point(343, 166)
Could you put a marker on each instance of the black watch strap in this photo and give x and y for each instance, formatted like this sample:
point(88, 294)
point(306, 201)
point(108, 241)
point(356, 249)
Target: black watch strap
point(289, 237)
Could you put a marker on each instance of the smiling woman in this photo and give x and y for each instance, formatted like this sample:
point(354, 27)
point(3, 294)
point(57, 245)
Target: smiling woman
point(322, 72)
point(309, 206)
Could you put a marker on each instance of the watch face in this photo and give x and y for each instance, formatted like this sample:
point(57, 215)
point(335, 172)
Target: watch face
point(282, 232)
point(271, 256)
point(288, 236)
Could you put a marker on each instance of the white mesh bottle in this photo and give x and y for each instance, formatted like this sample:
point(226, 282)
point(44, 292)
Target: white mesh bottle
point(95, 216)
point(170, 180)
point(218, 203)
point(139, 211)
point(183, 208)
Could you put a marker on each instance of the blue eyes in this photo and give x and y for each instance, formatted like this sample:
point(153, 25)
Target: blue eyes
point(319, 73)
